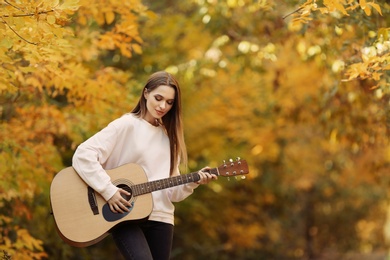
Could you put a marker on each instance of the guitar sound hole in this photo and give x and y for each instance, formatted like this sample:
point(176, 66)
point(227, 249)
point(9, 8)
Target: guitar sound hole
point(126, 188)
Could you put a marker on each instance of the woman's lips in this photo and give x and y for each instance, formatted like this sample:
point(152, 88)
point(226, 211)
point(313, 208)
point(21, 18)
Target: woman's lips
point(160, 113)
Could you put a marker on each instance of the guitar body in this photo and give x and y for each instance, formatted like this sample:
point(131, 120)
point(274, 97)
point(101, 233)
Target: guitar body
point(71, 200)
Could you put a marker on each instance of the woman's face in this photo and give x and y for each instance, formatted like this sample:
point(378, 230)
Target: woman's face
point(158, 102)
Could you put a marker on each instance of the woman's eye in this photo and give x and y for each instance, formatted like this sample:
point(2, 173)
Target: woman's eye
point(160, 98)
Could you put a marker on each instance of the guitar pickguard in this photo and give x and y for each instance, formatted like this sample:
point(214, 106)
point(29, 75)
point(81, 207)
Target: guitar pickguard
point(110, 216)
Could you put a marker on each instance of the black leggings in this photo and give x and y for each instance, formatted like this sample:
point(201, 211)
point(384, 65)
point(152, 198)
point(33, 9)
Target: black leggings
point(146, 240)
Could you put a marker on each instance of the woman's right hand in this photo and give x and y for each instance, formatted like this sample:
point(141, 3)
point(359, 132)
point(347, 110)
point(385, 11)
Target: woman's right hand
point(117, 203)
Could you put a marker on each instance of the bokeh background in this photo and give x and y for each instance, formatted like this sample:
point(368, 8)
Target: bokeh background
point(299, 89)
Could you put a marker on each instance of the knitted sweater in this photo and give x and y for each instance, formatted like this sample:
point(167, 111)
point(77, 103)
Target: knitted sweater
point(130, 139)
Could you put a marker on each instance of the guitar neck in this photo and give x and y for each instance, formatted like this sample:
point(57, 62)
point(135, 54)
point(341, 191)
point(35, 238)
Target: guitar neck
point(148, 187)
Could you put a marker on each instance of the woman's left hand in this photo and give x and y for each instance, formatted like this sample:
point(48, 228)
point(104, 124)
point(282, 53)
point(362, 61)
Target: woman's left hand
point(205, 176)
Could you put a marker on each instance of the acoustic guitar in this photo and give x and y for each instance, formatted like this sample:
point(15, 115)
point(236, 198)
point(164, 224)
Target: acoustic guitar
point(83, 217)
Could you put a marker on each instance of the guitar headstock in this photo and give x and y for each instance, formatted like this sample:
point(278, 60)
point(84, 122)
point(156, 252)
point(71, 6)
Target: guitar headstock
point(233, 168)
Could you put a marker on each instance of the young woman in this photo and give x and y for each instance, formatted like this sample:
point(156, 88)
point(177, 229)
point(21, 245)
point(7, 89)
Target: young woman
point(151, 136)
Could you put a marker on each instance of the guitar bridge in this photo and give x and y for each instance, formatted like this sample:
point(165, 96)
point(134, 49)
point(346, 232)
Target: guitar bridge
point(92, 201)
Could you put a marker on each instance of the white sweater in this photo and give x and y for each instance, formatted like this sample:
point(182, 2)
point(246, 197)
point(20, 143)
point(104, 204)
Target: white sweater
point(129, 139)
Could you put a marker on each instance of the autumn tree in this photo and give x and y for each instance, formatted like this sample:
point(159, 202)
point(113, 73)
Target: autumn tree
point(57, 87)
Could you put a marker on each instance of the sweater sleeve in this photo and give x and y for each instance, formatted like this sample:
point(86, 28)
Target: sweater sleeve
point(89, 157)
point(179, 193)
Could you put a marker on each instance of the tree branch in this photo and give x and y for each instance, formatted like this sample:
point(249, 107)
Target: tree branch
point(287, 15)
point(21, 15)
point(15, 32)
point(6, 1)
point(24, 15)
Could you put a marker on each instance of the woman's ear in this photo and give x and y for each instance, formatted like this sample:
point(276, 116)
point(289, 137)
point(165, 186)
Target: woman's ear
point(146, 93)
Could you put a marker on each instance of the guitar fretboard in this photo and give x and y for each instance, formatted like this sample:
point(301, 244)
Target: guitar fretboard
point(151, 186)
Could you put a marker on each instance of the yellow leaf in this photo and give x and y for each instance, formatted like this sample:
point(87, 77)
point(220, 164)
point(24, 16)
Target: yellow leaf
point(151, 15)
point(125, 50)
point(55, 3)
point(100, 18)
point(34, 82)
point(376, 7)
point(363, 4)
point(376, 76)
point(51, 4)
point(110, 17)
point(7, 43)
point(367, 11)
point(72, 5)
point(51, 19)
point(341, 8)
point(383, 33)
point(137, 48)
point(82, 20)
point(331, 5)
point(323, 10)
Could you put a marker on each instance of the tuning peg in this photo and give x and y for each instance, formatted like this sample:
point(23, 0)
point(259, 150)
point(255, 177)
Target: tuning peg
point(238, 159)
point(224, 164)
point(243, 177)
point(231, 162)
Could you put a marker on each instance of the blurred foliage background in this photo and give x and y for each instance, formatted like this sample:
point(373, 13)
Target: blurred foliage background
point(300, 89)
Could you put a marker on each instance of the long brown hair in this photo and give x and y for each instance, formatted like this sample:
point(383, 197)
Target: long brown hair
point(172, 121)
